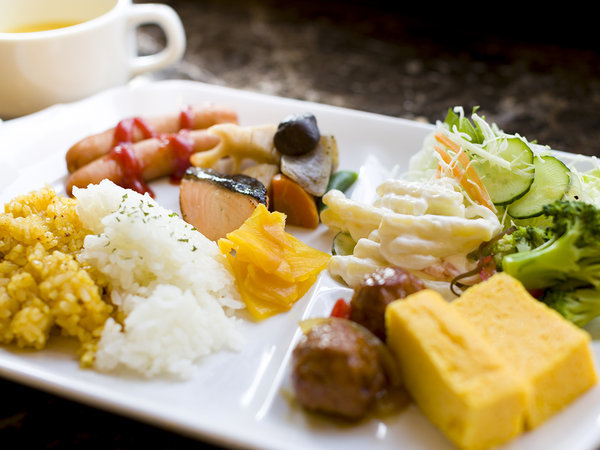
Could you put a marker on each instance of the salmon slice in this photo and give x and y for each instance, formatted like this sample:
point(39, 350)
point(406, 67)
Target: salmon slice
point(217, 204)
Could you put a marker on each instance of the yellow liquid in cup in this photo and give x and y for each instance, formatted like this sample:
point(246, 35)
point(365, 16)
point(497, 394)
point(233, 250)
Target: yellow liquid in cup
point(41, 26)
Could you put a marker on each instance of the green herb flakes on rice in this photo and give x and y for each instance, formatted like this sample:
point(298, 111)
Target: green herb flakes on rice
point(171, 285)
point(139, 288)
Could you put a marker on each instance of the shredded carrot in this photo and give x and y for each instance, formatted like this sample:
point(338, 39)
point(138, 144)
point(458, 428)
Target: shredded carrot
point(443, 139)
point(462, 157)
point(438, 172)
point(476, 191)
point(455, 170)
point(468, 178)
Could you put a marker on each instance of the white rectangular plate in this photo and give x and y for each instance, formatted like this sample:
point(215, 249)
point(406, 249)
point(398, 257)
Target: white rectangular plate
point(237, 398)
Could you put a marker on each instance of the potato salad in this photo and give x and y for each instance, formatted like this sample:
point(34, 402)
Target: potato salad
point(468, 186)
point(425, 227)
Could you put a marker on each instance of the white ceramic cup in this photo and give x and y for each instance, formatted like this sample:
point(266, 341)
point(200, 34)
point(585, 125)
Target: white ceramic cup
point(42, 68)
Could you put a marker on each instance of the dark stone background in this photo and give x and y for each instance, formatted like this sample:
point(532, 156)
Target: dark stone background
point(536, 73)
point(532, 72)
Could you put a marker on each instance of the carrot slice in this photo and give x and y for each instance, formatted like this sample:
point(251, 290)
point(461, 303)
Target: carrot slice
point(462, 157)
point(476, 191)
point(457, 172)
point(290, 198)
point(443, 139)
point(468, 178)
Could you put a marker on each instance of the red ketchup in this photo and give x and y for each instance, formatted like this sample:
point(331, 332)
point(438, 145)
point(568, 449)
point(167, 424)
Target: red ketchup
point(131, 169)
point(186, 118)
point(123, 154)
point(126, 127)
point(180, 144)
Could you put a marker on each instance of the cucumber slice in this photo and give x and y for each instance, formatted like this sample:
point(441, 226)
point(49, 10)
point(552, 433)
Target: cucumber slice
point(343, 244)
point(552, 181)
point(507, 185)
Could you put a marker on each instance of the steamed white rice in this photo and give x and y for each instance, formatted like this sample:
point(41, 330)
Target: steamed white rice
point(170, 283)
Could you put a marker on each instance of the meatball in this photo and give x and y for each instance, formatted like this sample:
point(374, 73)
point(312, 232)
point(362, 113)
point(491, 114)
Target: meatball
point(337, 369)
point(376, 291)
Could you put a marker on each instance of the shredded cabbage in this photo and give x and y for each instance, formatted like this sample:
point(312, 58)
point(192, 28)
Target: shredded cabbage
point(481, 139)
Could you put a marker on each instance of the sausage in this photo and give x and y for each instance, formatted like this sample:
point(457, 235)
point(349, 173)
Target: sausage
point(337, 369)
point(156, 157)
point(137, 129)
point(375, 292)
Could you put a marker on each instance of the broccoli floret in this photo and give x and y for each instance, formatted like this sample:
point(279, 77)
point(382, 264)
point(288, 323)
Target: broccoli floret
point(512, 240)
point(522, 239)
point(569, 258)
point(578, 306)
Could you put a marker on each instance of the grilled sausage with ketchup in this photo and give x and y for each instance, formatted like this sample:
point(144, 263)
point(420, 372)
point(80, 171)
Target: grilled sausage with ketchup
point(136, 129)
point(133, 165)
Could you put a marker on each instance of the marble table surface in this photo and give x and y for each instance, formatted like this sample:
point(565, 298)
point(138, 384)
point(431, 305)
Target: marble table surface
point(530, 75)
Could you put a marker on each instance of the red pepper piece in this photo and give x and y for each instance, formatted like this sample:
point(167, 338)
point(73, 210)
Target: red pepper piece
point(341, 309)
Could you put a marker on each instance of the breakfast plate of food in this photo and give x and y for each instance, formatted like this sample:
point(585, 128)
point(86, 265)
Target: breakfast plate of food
point(265, 272)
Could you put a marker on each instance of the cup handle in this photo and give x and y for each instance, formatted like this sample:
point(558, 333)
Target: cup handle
point(165, 17)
